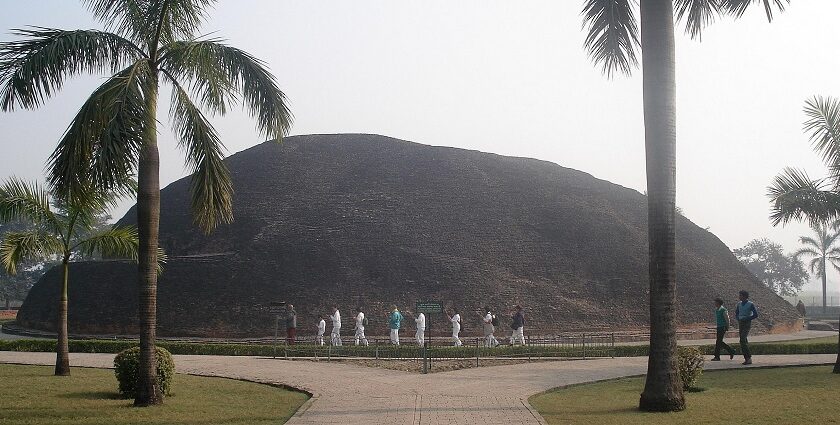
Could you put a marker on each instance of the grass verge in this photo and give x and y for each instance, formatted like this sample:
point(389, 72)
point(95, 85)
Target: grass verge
point(32, 395)
point(755, 396)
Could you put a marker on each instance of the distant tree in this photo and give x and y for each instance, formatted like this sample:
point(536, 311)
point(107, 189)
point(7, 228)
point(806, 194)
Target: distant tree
point(60, 227)
point(784, 274)
point(823, 249)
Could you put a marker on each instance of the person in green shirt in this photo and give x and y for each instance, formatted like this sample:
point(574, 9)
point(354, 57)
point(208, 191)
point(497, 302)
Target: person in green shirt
point(394, 320)
point(722, 322)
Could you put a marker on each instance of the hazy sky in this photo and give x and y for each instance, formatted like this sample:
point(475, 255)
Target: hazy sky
point(505, 77)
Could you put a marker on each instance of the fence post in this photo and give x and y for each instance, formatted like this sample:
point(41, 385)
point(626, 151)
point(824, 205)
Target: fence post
point(425, 360)
point(329, 352)
point(612, 345)
point(476, 352)
point(583, 344)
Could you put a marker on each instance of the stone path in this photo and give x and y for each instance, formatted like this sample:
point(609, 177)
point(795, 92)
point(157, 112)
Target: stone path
point(348, 394)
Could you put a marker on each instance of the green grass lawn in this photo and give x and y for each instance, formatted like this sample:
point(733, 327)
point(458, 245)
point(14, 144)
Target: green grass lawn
point(31, 395)
point(756, 396)
point(824, 339)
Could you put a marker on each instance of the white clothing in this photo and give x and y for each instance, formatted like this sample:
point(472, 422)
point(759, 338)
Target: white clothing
point(489, 339)
point(420, 335)
point(335, 335)
point(518, 335)
point(360, 329)
point(395, 336)
point(322, 327)
point(456, 329)
point(360, 320)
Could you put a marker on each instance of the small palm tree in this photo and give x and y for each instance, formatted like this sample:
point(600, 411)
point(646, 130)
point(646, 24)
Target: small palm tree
point(823, 250)
point(796, 196)
point(613, 38)
point(114, 134)
point(62, 228)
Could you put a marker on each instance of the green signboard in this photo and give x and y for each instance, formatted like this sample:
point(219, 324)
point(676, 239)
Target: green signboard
point(428, 307)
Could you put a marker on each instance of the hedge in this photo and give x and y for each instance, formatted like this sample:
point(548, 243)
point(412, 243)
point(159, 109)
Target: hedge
point(404, 351)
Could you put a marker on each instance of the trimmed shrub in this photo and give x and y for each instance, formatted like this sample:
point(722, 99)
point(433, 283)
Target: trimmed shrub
point(690, 365)
point(127, 363)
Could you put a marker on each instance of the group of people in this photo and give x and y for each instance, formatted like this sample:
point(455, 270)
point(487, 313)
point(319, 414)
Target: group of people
point(745, 313)
point(395, 319)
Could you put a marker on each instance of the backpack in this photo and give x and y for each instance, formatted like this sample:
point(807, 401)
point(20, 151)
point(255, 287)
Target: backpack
point(364, 321)
point(494, 321)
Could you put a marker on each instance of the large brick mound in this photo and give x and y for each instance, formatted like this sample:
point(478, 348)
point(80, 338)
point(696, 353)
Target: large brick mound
point(357, 219)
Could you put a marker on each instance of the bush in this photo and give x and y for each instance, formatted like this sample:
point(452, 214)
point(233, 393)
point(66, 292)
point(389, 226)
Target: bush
point(690, 365)
point(127, 363)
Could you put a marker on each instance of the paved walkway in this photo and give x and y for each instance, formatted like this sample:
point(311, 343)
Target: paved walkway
point(348, 394)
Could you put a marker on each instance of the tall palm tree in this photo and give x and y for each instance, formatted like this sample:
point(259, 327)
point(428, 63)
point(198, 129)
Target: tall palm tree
point(796, 196)
point(114, 134)
point(612, 41)
point(823, 250)
point(62, 228)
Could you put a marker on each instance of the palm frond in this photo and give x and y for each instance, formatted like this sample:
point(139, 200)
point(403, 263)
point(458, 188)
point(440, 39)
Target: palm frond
point(119, 242)
point(129, 18)
point(34, 68)
point(738, 7)
point(178, 19)
point(815, 265)
point(697, 14)
point(98, 152)
point(17, 247)
point(795, 196)
point(210, 185)
point(219, 74)
point(813, 245)
point(162, 258)
point(823, 127)
point(27, 202)
point(613, 35)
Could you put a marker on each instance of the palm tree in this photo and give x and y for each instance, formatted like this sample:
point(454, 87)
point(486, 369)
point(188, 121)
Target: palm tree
point(796, 196)
point(822, 251)
point(114, 134)
point(61, 228)
point(612, 40)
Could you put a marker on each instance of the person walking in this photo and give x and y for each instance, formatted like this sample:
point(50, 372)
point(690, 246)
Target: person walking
point(322, 327)
point(489, 318)
point(420, 335)
point(291, 324)
point(518, 325)
point(455, 319)
point(361, 321)
point(800, 307)
point(745, 312)
point(394, 321)
point(335, 335)
point(722, 323)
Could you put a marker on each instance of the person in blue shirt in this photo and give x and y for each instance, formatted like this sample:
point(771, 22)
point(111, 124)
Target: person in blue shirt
point(745, 312)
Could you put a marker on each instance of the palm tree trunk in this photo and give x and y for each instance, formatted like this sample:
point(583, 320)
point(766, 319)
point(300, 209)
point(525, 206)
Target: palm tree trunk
point(837, 362)
point(148, 218)
point(663, 388)
point(62, 348)
point(824, 283)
